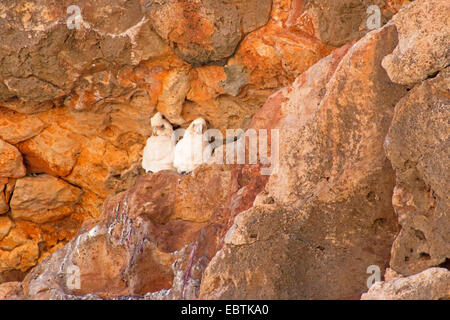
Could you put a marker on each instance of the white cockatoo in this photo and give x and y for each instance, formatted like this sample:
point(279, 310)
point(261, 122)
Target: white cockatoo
point(193, 149)
point(159, 150)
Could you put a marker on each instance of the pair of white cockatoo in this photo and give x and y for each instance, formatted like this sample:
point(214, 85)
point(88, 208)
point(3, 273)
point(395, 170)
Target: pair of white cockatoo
point(162, 152)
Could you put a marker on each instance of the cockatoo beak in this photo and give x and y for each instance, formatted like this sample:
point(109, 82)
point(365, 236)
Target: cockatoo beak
point(198, 128)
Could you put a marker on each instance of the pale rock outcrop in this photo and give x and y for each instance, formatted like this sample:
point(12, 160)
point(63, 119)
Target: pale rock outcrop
point(326, 214)
point(418, 146)
point(431, 284)
point(78, 107)
point(175, 87)
point(423, 48)
point(11, 291)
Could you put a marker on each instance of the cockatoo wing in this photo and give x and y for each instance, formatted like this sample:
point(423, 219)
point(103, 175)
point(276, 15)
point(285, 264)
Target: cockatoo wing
point(158, 154)
point(191, 152)
point(158, 148)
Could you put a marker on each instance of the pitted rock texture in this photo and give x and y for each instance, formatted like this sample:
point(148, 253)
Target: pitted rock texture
point(327, 206)
point(75, 103)
point(423, 46)
point(132, 249)
point(418, 146)
point(431, 284)
point(360, 178)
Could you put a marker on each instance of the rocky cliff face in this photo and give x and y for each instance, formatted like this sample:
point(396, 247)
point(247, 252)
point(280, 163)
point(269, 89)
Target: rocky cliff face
point(362, 172)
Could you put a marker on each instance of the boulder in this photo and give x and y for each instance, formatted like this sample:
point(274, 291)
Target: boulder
point(423, 46)
point(43, 198)
point(430, 284)
point(11, 161)
point(418, 146)
point(326, 213)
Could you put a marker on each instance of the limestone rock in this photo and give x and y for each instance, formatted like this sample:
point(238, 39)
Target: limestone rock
point(175, 87)
point(11, 291)
point(131, 248)
point(207, 31)
point(5, 226)
point(17, 252)
point(254, 13)
point(6, 188)
point(423, 47)
point(11, 161)
point(327, 213)
point(54, 151)
point(418, 146)
point(55, 55)
point(430, 284)
point(339, 22)
point(75, 105)
point(103, 168)
point(224, 112)
point(205, 83)
point(16, 127)
point(43, 198)
point(203, 195)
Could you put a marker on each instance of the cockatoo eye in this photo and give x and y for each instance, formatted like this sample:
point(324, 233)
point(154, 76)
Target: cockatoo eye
point(162, 126)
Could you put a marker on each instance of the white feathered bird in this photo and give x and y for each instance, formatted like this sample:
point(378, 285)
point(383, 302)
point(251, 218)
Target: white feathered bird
point(159, 150)
point(194, 149)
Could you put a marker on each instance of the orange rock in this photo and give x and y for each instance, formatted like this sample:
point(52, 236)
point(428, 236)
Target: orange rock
point(6, 189)
point(16, 127)
point(203, 195)
point(43, 198)
point(11, 163)
point(54, 151)
point(4, 202)
point(205, 83)
point(103, 168)
point(203, 31)
point(22, 257)
point(5, 226)
point(91, 204)
point(19, 249)
point(175, 86)
point(11, 291)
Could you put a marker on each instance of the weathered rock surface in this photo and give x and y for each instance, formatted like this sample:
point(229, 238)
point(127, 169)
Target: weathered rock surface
point(16, 127)
point(431, 284)
point(53, 151)
point(423, 47)
point(11, 291)
point(418, 146)
point(11, 161)
point(43, 199)
point(131, 250)
point(5, 226)
point(6, 188)
point(207, 31)
point(54, 57)
point(43, 214)
point(75, 106)
point(328, 206)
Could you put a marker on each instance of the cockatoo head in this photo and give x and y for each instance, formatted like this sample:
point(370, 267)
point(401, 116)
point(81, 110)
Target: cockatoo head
point(197, 126)
point(160, 125)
